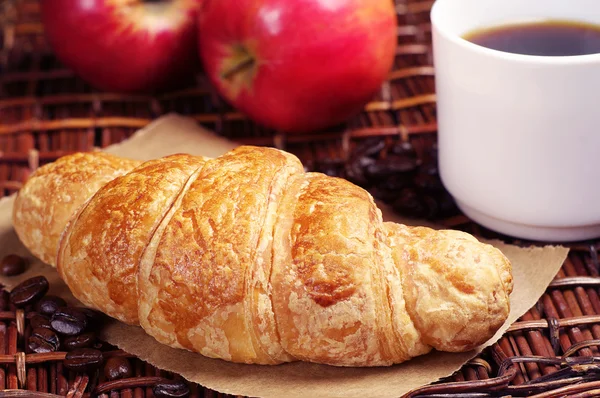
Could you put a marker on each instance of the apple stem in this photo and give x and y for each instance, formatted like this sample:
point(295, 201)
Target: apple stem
point(246, 63)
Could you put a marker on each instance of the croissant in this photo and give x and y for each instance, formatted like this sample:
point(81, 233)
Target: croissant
point(248, 258)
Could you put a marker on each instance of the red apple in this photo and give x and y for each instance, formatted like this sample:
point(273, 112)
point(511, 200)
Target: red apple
point(297, 65)
point(125, 45)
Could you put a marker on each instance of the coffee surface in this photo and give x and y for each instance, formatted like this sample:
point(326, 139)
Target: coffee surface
point(545, 38)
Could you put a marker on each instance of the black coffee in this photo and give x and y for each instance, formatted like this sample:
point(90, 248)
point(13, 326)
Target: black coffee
point(547, 38)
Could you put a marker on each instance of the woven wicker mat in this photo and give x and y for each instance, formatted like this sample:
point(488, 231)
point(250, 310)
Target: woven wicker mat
point(47, 112)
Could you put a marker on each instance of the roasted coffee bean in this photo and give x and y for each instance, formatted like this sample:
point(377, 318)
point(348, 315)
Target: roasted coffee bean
point(43, 340)
point(28, 308)
point(401, 163)
point(4, 300)
point(69, 321)
point(84, 340)
point(408, 203)
point(29, 291)
point(49, 304)
point(172, 389)
point(117, 368)
point(330, 167)
point(387, 190)
point(428, 182)
point(93, 317)
point(104, 346)
point(433, 207)
point(404, 148)
point(433, 151)
point(355, 169)
point(383, 168)
point(377, 170)
point(370, 147)
point(430, 169)
point(39, 321)
point(446, 204)
point(382, 194)
point(396, 182)
point(12, 265)
point(83, 359)
point(413, 204)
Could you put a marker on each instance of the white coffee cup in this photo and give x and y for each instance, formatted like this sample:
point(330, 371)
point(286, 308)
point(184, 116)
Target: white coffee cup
point(519, 135)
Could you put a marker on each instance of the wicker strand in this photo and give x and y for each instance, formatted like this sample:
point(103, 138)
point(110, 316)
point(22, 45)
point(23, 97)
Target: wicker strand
point(79, 386)
point(21, 368)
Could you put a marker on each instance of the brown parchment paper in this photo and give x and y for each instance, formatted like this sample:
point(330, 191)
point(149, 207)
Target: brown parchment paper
point(533, 270)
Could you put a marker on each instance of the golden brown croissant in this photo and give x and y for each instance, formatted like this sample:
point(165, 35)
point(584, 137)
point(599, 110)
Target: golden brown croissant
point(248, 258)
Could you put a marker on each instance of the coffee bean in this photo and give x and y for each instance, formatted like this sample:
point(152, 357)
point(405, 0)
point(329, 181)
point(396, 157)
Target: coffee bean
point(4, 300)
point(433, 152)
point(412, 204)
point(49, 304)
point(43, 340)
point(397, 182)
point(446, 204)
point(380, 193)
point(172, 389)
point(428, 182)
point(117, 368)
point(355, 169)
point(104, 346)
point(69, 321)
point(93, 317)
point(432, 205)
point(404, 148)
point(39, 321)
point(83, 359)
point(84, 340)
point(12, 265)
point(370, 147)
point(331, 168)
point(430, 169)
point(377, 170)
point(29, 291)
point(391, 165)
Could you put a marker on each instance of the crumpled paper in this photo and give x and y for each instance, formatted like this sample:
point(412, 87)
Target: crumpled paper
point(533, 269)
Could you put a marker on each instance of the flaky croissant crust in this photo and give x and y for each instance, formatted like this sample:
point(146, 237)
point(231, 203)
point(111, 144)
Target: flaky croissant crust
point(250, 259)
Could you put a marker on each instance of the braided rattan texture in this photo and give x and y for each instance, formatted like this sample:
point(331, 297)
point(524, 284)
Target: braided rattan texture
point(47, 112)
point(45, 108)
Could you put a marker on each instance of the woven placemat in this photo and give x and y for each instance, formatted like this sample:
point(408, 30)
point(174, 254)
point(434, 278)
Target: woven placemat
point(389, 148)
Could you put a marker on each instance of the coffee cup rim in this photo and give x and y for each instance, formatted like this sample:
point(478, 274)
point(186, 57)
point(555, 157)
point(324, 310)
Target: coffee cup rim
point(435, 18)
